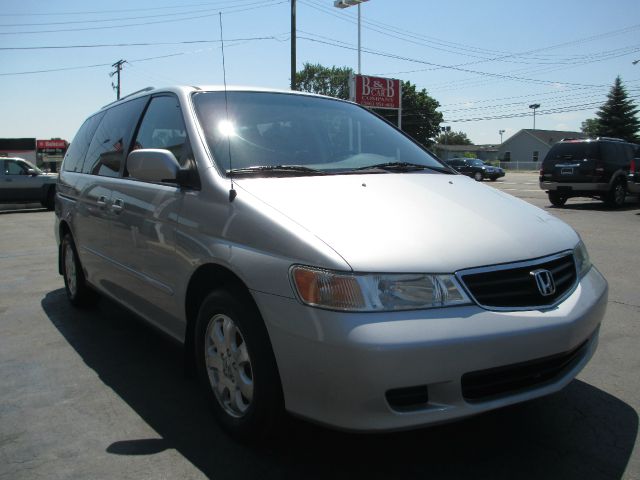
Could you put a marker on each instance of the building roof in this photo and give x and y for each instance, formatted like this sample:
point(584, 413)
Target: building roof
point(549, 137)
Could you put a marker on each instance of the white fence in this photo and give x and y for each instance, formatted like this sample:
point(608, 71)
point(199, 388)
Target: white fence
point(521, 165)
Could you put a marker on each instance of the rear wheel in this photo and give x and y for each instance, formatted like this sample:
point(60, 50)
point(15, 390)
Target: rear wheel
point(616, 196)
point(478, 176)
point(236, 366)
point(556, 199)
point(78, 291)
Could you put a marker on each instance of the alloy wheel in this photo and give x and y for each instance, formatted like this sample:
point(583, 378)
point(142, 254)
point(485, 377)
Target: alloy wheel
point(228, 365)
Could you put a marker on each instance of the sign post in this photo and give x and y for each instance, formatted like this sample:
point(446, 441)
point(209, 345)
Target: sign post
point(377, 92)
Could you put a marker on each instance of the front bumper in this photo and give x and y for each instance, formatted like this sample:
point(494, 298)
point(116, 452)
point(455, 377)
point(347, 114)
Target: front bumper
point(336, 368)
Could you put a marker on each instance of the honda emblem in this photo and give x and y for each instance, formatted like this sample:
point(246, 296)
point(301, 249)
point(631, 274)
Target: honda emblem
point(544, 281)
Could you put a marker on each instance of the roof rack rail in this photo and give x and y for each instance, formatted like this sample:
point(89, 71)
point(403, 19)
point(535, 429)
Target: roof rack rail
point(612, 139)
point(146, 89)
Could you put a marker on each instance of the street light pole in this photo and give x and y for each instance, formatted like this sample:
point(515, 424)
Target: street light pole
point(351, 3)
point(534, 106)
point(500, 132)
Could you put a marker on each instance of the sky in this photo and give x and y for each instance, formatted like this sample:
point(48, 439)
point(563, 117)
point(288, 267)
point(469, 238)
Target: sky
point(484, 62)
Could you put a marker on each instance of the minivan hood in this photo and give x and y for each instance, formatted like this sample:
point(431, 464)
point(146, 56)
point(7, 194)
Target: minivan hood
point(414, 222)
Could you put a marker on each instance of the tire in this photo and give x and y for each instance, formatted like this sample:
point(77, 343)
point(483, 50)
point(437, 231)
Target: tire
point(493, 179)
point(478, 177)
point(236, 366)
point(50, 201)
point(616, 196)
point(557, 200)
point(78, 291)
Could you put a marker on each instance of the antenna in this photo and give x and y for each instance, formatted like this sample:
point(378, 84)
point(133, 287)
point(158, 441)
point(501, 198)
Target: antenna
point(232, 191)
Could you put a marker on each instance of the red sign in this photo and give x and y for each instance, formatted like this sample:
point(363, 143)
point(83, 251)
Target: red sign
point(376, 92)
point(51, 144)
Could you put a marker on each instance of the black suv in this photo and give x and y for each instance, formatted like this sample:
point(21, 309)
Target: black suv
point(600, 168)
point(477, 169)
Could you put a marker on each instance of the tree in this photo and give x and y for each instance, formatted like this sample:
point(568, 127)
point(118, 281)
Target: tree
point(590, 127)
point(420, 119)
point(453, 138)
point(617, 117)
point(333, 82)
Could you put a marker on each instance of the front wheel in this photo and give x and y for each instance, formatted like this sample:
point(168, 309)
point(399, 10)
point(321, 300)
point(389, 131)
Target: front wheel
point(236, 366)
point(616, 196)
point(478, 176)
point(556, 199)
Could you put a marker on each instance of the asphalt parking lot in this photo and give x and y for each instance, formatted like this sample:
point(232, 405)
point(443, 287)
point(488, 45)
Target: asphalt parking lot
point(97, 394)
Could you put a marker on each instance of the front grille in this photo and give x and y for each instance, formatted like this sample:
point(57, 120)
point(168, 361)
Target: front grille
point(483, 385)
point(514, 286)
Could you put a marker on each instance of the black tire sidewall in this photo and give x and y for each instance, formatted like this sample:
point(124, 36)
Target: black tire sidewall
point(266, 405)
point(83, 293)
point(611, 199)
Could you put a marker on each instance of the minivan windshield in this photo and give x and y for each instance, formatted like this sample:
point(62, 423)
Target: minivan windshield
point(287, 134)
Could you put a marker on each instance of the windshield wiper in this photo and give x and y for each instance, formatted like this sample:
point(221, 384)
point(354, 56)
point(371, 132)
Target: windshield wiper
point(275, 170)
point(402, 167)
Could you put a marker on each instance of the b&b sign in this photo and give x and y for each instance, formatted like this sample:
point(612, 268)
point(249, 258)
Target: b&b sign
point(376, 92)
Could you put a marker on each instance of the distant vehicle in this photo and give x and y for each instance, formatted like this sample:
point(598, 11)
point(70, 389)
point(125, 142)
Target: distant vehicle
point(603, 168)
point(475, 168)
point(23, 182)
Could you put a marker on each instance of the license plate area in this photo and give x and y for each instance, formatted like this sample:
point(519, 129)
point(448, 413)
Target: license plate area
point(566, 171)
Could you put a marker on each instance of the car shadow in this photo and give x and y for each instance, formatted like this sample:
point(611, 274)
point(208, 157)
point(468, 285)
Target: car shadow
point(581, 432)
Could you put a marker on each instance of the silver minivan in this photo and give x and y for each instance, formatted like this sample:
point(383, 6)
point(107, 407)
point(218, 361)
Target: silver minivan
point(315, 260)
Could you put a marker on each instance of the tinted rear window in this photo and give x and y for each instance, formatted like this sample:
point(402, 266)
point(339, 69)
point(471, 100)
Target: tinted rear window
point(573, 151)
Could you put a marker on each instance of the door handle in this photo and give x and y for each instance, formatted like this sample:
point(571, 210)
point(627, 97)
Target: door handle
point(118, 205)
point(102, 201)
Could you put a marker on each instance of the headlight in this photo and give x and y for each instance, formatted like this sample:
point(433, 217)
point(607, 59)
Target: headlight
point(375, 292)
point(583, 264)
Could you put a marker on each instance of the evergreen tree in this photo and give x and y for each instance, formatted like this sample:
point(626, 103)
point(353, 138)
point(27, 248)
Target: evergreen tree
point(618, 116)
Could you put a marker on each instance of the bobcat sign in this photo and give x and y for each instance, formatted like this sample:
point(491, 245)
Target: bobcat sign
point(377, 92)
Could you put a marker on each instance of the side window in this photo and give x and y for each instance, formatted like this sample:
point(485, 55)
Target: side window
point(78, 149)
point(163, 127)
point(613, 154)
point(536, 155)
point(11, 167)
point(111, 140)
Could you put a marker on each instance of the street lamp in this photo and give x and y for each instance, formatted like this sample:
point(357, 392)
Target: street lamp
point(500, 132)
point(534, 106)
point(351, 3)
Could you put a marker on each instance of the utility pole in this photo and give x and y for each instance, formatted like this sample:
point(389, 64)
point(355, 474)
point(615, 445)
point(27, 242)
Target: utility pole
point(118, 68)
point(293, 44)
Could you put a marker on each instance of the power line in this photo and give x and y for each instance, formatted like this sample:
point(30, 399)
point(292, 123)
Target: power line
point(271, 3)
point(120, 10)
point(141, 44)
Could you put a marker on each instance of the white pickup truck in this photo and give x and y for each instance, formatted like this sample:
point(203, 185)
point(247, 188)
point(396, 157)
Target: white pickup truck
point(22, 182)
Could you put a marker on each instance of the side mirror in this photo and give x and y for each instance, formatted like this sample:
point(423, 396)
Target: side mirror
point(153, 165)
point(31, 172)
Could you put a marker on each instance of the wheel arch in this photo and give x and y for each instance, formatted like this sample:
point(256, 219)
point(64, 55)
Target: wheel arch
point(204, 280)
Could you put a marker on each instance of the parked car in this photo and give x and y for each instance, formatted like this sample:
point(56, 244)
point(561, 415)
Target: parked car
point(22, 182)
point(599, 168)
point(475, 168)
point(314, 259)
